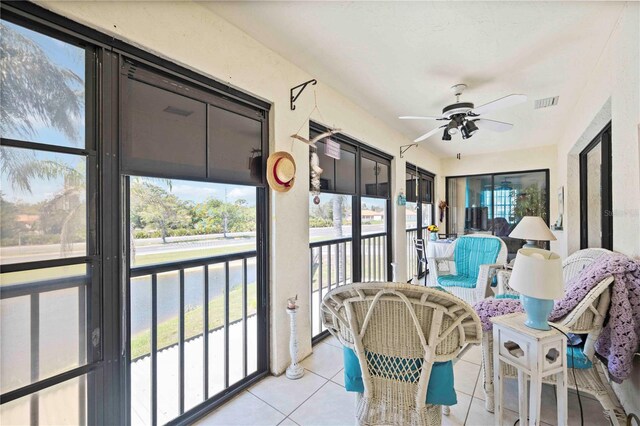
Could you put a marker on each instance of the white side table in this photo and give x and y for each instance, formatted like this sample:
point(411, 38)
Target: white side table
point(535, 354)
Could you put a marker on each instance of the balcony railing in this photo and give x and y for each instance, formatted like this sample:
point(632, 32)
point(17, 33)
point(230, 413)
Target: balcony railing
point(330, 267)
point(53, 314)
point(373, 255)
point(412, 255)
point(200, 330)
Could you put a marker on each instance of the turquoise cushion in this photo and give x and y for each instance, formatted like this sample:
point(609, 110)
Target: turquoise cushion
point(576, 358)
point(507, 296)
point(471, 252)
point(440, 390)
point(457, 281)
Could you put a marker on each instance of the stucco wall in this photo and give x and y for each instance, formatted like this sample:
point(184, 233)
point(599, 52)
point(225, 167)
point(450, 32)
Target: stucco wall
point(193, 36)
point(612, 94)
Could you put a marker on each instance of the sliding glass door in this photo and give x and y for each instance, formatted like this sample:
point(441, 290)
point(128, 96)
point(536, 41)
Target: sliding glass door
point(349, 220)
point(196, 204)
point(419, 213)
point(495, 203)
point(50, 282)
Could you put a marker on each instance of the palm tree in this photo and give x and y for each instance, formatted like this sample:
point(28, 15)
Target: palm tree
point(34, 89)
point(37, 91)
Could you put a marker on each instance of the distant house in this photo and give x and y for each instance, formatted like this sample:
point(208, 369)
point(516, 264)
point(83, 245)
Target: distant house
point(369, 215)
point(28, 220)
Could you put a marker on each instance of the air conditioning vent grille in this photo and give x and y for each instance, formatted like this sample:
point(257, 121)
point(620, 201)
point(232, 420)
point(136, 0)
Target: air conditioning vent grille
point(546, 102)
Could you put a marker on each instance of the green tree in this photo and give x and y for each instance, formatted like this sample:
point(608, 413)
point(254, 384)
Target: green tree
point(158, 208)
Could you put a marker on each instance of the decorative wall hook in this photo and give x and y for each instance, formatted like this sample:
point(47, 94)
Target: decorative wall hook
point(301, 87)
point(405, 148)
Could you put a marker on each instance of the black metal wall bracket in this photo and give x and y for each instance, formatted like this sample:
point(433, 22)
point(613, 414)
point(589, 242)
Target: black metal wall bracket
point(301, 87)
point(405, 148)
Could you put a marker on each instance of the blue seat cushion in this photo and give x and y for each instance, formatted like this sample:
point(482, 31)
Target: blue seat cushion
point(468, 254)
point(576, 358)
point(457, 281)
point(440, 390)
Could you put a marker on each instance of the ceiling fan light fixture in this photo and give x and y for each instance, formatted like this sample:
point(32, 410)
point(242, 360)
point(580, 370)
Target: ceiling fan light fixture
point(446, 136)
point(470, 127)
point(452, 128)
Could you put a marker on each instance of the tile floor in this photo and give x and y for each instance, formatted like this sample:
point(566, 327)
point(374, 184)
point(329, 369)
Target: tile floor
point(319, 397)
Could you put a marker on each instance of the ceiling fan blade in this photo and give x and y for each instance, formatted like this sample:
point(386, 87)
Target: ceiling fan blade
point(418, 117)
point(507, 101)
point(496, 126)
point(429, 134)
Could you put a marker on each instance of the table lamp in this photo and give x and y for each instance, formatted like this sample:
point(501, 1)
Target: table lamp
point(532, 229)
point(537, 276)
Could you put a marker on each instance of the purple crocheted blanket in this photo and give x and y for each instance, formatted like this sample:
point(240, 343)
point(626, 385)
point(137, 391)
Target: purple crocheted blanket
point(620, 337)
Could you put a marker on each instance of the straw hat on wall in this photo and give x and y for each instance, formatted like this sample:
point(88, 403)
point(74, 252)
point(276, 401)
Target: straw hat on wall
point(281, 171)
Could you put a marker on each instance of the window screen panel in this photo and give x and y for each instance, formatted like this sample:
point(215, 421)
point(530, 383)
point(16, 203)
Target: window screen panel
point(164, 133)
point(327, 164)
point(346, 172)
point(382, 172)
point(368, 170)
point(235, 147)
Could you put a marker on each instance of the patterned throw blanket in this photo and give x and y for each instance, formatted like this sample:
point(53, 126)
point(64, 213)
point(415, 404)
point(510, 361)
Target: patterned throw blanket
point(620, 336)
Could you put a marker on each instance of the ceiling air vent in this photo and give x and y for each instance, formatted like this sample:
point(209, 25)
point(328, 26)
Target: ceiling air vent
point(546, 102)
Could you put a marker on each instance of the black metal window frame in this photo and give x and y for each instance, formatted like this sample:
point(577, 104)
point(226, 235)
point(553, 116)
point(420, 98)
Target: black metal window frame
point(360, 149)
point(89, 285)
point(493, 182)
point(108, 383)
point(425, 175)
point(606, 215)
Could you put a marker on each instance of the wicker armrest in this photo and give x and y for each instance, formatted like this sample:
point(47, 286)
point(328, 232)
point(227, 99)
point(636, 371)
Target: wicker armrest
point(486, 274)
point(437, 262)
point(503, 283)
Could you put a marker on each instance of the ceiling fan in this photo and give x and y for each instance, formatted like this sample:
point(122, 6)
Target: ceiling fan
point(463, 117)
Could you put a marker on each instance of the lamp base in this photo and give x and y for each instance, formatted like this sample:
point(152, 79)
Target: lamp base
point(537, 311)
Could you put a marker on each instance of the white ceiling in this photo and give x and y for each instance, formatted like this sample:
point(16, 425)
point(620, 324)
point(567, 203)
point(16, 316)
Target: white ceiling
point(400, 58)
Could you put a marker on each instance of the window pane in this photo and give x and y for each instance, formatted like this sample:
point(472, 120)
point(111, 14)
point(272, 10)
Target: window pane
point(346, 172)
point(175, 220)
point(53, 317)
point(594, 197)
point(167, 335)
point(382, 174)
point(427, 219)
point(373, 215)
point(193, 331)
point(62, 404)
point(235, 147)
point(43, 203)
point(327, 164)
point(163, 132)
point(331, 218)
point(411, 188)
point(252, 318)
point(368, 172)
point(140, 311)
point(411, 215)
point(42, 96)
point(217, 349)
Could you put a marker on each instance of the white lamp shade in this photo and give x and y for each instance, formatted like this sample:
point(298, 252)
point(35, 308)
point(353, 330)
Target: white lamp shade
point(532, 228)
point(537, 273)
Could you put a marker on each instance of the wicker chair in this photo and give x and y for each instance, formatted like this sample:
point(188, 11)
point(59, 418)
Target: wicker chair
point(446, 266)
point(586, 318)
point(388, 321)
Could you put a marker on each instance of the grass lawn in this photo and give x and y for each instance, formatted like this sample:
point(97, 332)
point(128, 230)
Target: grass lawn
point(193, 321)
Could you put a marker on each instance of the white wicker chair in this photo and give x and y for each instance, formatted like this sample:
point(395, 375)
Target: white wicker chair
point(446, 266)
point(586, 318)
point(382, 321)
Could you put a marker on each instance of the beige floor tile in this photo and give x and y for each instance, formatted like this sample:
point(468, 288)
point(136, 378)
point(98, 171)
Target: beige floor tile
point(333, 342)
point(245, 409)
point(326, 360)
point(286, 395)
point(458, 412)
point(331, 405)
point(288, 422)
point(479, 416)
point(465, 376)
point(473, 355)
point(339, 378)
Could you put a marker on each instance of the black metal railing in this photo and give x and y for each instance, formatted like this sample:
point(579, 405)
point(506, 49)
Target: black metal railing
point(373, 255)
point(412, 255)
point(204, 265)
point(31, 292)
point(331, 266)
